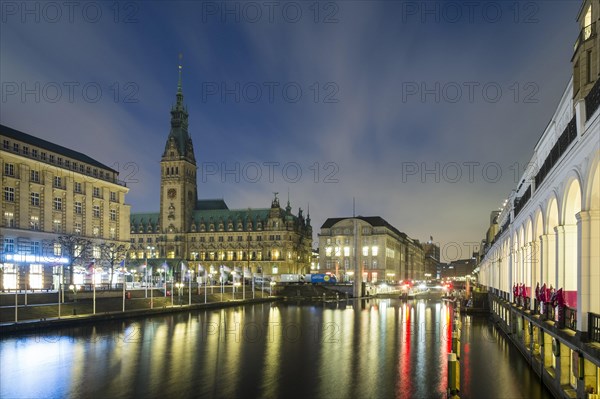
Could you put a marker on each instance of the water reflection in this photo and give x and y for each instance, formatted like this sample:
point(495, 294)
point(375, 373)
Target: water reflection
point(377, 348)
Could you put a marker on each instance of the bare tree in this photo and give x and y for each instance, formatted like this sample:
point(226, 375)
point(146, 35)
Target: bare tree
point(75, 248)
point(113, 253)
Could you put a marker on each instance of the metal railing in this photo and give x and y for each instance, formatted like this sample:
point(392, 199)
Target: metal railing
point(585, 34)
point(559, 148)
point(571, 318)
point(592, 101)
point(594, 326)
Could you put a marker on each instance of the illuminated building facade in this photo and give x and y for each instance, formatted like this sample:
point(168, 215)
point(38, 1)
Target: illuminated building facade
point(385, 253)
point(50, 191)
point(205, 232)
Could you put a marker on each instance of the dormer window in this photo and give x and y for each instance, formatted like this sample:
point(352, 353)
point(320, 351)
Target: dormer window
point(587, 24)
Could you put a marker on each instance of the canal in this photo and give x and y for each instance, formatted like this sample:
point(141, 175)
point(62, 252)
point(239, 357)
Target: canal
point(357, 349)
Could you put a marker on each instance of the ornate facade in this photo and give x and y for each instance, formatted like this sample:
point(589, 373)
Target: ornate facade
point(206, 232)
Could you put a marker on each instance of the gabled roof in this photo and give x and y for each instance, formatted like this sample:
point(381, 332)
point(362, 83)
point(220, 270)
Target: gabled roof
point(55, 148)
point(210, 204)
point(375, 221)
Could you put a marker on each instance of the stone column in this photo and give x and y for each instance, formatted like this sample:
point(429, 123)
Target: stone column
point(588, 266)
point(559, 265)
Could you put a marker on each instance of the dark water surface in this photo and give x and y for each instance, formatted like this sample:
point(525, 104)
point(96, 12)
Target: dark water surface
point(359, 349)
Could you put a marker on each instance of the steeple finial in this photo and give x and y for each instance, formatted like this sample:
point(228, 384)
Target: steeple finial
point(180, 68)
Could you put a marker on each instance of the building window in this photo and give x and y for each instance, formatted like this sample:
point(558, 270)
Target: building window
point(346, 251)
point(9, 194)
point(60, 161)
point(229, 238)
point(77, 187)
point(34, 222)
point(35, 199)
point(96, 211)
point(221, 239)
point(10, 276)
point(52, 158)
point(77, 228)
point(35, 176)
point(96, 192)
point(78, 208)
point(374, 250)
point(96, 253)
point(81, 168)
point(6, 144)
point(112, 233)
point(9, 219)
point(35, 248)
point(43, 156)
point(25, 150)
point(365, 251)
point(34, 153)
point(9, 169)
point(113, 196)
point(36, 276)
point(95, 231)
point(113, 214)
point(57, 182)
point(9, 245)
point(67, 163)
point(589, 66)
point(57, 226)
point(57, 204)
point(15, 147)
point(240, 238)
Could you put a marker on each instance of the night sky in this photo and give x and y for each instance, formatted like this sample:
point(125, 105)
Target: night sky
point(331, 100)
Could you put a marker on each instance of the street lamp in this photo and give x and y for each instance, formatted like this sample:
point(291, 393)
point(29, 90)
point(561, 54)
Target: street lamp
point(179, 286)
point(235, 285)
point(271, 284)
point(191, 275)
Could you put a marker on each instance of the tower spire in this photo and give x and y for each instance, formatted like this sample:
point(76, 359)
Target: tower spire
point(179, 89)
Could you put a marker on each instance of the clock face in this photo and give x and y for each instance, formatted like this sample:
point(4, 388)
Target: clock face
point(172, 193)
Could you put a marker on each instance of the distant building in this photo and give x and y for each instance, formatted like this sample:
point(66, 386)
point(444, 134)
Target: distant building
point(51, 192)
point(431, 253)
point(206, 232)
point(458, 268)
point(385, 253)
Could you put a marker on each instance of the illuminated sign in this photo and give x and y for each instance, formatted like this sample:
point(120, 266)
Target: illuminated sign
point(35, 258)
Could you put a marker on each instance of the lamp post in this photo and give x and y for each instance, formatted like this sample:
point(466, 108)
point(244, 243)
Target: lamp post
point(60, 289)
point(165, 270)
point(235, 285)
point(191, 274)
point(206, 277)
point(94, 287)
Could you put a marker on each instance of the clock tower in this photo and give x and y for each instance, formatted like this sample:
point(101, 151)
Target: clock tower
point(178, 191)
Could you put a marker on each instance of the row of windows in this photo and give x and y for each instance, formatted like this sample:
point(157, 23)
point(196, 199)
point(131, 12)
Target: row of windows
point(9, 192)
point(50, 248)
point(57, 225)
point(366, 241)
point(67, 163)
point(337, 251)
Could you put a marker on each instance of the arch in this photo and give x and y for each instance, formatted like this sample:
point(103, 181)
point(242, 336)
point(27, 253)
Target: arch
point(567, 241)
point(571, 203)
point(536, 249)
point(549, 242)
point(551, 215)
point(592, 186)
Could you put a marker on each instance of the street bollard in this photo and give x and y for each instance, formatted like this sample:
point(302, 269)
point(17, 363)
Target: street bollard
point(453, 373)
